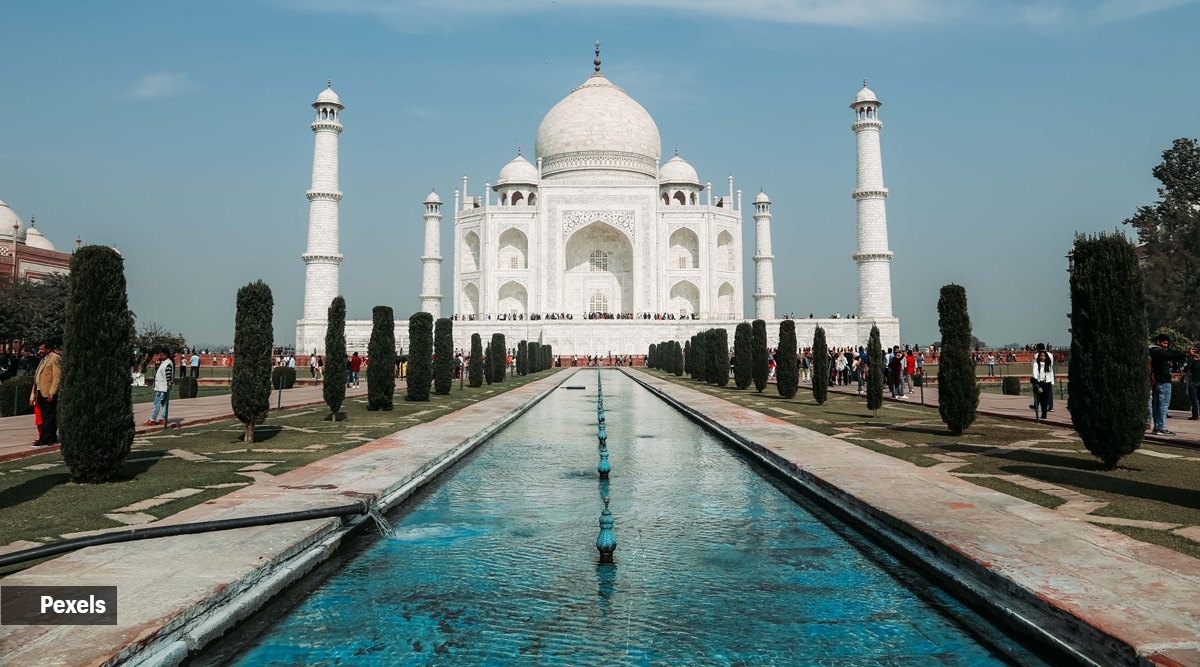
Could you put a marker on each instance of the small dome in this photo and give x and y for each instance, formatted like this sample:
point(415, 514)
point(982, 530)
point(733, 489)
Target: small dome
point(762, 198)
point(677, 170)
point(519, 170)
point(433, 198)
point(327, 96)
point(598, 117)
point(34, 239)
point(7, 218)
point(866, 95)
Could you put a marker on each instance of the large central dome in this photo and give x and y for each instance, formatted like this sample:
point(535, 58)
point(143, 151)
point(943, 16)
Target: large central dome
point(598, 127)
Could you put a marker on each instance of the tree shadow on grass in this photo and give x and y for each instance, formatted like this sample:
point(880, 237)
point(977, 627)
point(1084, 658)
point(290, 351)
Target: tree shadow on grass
point(31, 489)
point(1170, 495)
point(265, 433)
point(927, 430)
point(1052, 460)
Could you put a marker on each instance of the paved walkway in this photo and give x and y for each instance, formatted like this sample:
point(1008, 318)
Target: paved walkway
point(1187, 432)
point(18, 433)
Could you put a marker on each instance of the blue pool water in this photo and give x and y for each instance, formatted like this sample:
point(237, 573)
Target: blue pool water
point(496, 564)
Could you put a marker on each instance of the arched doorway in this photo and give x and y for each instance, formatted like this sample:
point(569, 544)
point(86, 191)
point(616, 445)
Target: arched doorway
point(599, 260)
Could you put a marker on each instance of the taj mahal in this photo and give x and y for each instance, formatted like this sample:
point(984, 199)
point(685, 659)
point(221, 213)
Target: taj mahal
point(597, 245)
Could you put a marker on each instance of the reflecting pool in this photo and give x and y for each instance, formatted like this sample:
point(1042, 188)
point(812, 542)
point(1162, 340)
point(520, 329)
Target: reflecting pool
point(496, 564)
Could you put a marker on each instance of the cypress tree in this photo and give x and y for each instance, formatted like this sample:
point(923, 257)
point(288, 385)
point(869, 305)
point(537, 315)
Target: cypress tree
point(95, 401)
point(700, 364)
point(687, 356)
point(549, 356)
point(651, 359)
point(420, 351)
point(381, 355)
point(820, 352)
point(759, 354)
point(533, 356)
point(523, 358)
point(475, 363)
point(787, 367)
point(720, 357)
point(1107, 375)
point(678, 360)
point(874, 373)
point(958, 391)
point(443, 356)
point(334, 386)
point(501, 353)
point(743, 355)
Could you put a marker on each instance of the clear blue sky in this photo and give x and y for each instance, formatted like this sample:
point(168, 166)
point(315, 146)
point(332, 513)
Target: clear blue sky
point(178, 132)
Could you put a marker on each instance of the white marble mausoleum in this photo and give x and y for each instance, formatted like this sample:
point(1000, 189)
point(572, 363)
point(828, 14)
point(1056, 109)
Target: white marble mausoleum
point(598, 245)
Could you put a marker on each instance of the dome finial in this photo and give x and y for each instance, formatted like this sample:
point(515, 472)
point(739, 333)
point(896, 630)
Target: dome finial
point(518, 150)
point(32, 221)
point(329, 83)
point(676, 150)
point(596, 62)
point(864, 82)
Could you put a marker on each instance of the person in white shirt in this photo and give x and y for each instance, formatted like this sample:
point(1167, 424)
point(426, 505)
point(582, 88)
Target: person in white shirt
point(1042, 381)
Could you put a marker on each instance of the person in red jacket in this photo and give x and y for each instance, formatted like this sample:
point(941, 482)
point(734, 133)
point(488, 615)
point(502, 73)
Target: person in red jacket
point(355, 367)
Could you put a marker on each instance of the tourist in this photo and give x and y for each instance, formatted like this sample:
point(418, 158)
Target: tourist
point(910, 369)
point(44, 395)
point(164, 377)
point(896, 372)
point(1042, 381)
point(991, 361)
point(319, 365)
point(1191, 378)
point(354, 367)
point(312, 366)
point(1160, 400)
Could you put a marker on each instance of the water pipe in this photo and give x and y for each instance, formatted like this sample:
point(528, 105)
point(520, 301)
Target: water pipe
point(148, 532)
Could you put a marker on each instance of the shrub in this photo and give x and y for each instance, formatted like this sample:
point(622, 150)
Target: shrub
point(189, 388)
point(758, 360)
point(254, 334)
point(280, 373)
point(820, 352)
point(1108, 392)
point(958, 390)
point(475, 363)
point(420, 365)
point(1011, 385)
point(443, 356)
point(95, 401)
point(700, 351)
point(333, 389)
point(874, 372)
point(15, 392)
point(523, 358)
point(787, 364)
point(743, 355)
point(678, 359)
point(918, 380)
point(381, 351)
point(500, 352)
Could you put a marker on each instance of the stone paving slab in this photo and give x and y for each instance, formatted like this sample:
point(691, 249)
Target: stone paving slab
point(1114, 598)
point(169, 588)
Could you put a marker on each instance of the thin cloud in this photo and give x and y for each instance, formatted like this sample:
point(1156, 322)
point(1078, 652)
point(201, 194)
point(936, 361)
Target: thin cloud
point(867, 14)
point(163, 84)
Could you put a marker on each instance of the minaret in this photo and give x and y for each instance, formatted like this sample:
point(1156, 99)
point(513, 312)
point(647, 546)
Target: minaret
point(431, 260)
point(321, 259)
point(873, 257)
point(764, 261)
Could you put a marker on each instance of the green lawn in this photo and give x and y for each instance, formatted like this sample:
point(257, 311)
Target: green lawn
point(38, 501)
point(1039, 463)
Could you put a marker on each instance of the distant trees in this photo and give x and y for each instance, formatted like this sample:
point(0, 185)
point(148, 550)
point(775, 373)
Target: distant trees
point(475, 363)
point(420, 364)
point(253, 336)
point(758, 344)
point(743, 355)
point(787, 362)
point(874, 373)
point(443, 356)
point(1170, 229)
point(381, 351)
point(334, 387)
point(820, 366)
point(94, 402)
point(35, 310)
point(958, 391)
point(1108, 391)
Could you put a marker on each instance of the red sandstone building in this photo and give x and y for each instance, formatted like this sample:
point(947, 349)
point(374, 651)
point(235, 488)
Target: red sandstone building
point(24, 252)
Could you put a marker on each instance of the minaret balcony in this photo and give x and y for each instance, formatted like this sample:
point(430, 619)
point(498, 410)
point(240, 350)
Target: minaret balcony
point(315, 195)
point(868, 193)
point(320, 258)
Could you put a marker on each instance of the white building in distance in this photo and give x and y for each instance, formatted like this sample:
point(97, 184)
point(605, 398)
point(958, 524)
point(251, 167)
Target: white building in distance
point(598, 246)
